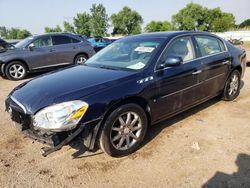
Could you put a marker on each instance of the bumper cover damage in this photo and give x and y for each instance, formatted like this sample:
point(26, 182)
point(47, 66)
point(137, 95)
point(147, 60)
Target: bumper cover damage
point(54, 140)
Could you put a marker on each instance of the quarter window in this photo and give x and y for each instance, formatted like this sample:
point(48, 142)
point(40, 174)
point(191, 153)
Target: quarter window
point(58, 40)
point(209, 45)
point(43, 42)
point(181, 47)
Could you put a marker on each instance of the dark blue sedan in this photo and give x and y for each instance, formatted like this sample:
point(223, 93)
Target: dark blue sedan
point(134, 82)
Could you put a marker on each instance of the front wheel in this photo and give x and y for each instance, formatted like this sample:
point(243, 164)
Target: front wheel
point(232, 86)
point(124, 130)
point(16, 70)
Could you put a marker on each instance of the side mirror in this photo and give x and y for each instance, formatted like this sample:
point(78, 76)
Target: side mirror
point(31, 46)
point(172, 61)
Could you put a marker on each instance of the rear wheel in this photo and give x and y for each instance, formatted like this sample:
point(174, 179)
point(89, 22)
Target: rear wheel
point(16, 70)
point(124, 130)
point(232, 87)
point(80, 59)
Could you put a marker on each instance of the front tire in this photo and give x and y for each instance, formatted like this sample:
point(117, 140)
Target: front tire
point(124, 130)
point(232, 87)
point(16, 70)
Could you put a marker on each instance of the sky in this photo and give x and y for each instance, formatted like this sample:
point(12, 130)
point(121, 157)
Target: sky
point(34, 15)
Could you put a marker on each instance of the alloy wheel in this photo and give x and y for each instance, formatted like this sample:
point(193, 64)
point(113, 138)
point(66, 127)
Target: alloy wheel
point(126, 130)
point(233, 86)
point(17, 71)
point(81, 60)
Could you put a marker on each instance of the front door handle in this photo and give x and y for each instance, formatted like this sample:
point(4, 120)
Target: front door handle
point(197, 72)
point(51, 50)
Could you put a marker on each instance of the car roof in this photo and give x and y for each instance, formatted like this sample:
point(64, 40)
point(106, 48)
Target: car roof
point(56, 33)
point(168, 34)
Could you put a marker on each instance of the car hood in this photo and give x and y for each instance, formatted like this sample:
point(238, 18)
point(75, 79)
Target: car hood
point(10, 51)
point(65, 85)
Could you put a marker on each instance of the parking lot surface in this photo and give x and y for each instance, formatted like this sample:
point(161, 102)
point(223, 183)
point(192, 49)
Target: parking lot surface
point(206, 145)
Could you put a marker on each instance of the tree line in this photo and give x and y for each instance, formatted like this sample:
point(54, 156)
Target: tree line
point(129, 22)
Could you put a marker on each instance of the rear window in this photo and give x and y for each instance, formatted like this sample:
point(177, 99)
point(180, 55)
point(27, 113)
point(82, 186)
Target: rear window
point(209, 45)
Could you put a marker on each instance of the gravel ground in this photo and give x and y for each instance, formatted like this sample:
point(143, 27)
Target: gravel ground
point(207, 145)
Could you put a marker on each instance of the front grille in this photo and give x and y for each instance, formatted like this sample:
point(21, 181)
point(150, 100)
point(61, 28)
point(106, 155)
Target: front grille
point(17, 114)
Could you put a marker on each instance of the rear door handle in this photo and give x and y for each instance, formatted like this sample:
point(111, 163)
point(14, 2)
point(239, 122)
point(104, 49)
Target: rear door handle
point(51, 50)
point(197, 72)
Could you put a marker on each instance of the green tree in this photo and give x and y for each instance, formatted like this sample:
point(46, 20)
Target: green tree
point(155, 26)
point(192, 17)
point(3, 32)
point(53, 30)
point(81, 23)
point(98, 20)
point(222, 23)
point(68, 27)
point(126, 22)
point(21, 34)
point(245, 23)
point(15, 33)
point(196, 17)
point(12, 33)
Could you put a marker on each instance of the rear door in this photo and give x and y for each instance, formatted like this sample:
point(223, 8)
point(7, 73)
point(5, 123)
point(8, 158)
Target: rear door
point(65, 49)
point(215, 64)
point(177, 86)
point(41, 55)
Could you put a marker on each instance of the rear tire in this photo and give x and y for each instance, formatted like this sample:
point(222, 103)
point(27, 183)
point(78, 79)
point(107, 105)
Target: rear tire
point(80, 59)
point(124, 130)
point(232, 87)
point(16, 70)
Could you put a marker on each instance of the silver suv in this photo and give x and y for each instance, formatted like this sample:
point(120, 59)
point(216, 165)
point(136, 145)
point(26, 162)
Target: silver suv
point(44, 52)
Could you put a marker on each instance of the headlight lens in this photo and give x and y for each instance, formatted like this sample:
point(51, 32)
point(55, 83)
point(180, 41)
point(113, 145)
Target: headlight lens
point(60, 117)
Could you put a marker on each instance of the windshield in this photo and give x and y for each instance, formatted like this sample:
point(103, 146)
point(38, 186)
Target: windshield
point(128, 54)
point(23, 43)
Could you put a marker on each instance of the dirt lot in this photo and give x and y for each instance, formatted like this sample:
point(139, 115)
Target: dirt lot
point(209, 143)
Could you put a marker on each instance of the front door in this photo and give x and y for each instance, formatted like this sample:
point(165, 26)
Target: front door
point(177, 86)
point(42, 55)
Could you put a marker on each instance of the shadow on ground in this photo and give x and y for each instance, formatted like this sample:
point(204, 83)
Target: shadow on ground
point(239, 179)
point(248, 63)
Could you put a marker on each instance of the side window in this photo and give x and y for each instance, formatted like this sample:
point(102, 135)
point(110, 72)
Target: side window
point(73, 40)
point(43, 42)
point(209, 45)
point(58, 40)
point(181, 47)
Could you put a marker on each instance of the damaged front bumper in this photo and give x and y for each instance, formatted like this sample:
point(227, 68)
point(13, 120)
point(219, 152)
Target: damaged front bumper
point(54, 140)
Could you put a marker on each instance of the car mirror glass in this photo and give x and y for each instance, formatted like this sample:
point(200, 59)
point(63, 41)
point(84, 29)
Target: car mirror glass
point(31, 46)
point(172, 61)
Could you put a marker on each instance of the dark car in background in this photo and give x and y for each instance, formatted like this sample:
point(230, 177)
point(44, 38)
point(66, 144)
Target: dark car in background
point(3, 45)
point(134, 82)
point(44, 52)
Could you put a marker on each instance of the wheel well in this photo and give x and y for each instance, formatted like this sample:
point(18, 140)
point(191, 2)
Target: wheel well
point(81, 53)
point(136, 100)
point(22, 61)
point(238, 68)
